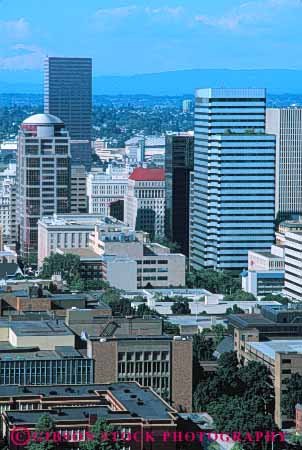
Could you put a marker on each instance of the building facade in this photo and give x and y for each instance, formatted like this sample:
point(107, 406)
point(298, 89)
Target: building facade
point(286, 125)
point(65, 231)
point(179, 163)
point(234, 178)
point(145, 201)
point(293, 265)
point(159, 362)
point(104, 189)
point(68, 95)
point(78, 195)
point(43, 177)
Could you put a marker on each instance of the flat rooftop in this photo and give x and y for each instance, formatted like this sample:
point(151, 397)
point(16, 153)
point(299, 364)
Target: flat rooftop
point(138, 402)
point(39, 328)
point(71, 220)
point(248, 320)
point(58, 353)
point(270, 348)
point(81, 252)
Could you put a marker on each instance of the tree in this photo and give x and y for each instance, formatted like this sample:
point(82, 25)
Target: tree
point(171, 328)
point(203, 348)
point(240, 296)
point(181, 307)
point(44, 425)
point(234, 310)
point(68, 265)
point(216, 281)
point(95, 285)
point(100, 430)
point(276, 298)
point(76, 283)
point(292, 395)
point(173, 246)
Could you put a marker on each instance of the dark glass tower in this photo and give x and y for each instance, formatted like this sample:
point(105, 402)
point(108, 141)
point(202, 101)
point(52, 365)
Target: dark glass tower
point(179, 163)
point(68, 95)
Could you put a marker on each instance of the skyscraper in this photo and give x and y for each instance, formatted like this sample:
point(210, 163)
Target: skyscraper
point(43, 177)
point(179, 163)
point(286, 124)
point(234, 178)
point(68, 95)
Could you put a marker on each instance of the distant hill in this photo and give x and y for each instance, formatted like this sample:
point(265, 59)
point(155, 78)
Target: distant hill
point(181, 82)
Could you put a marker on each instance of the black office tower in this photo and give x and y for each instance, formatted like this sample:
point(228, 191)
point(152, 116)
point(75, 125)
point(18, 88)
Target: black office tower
point(68, 95)
point(178, 165)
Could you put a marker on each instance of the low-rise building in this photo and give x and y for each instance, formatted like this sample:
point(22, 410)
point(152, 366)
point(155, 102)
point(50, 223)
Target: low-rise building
point(128, 407)
point(161, 362)
point(283, 358)
point(156, 265)
point(66, 231)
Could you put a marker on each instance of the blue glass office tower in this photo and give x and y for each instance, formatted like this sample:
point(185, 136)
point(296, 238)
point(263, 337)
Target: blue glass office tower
point(234, 178)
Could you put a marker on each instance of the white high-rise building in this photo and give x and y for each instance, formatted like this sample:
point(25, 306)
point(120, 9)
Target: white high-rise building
point(43, 177)
point(145, 201)
point(293, 265)
point(105, 188)
point(286, 124)
point(8, 203)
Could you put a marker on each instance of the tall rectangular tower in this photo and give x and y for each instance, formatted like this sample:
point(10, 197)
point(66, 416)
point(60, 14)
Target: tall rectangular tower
point(68, 95)
point(286, 124)
point(43, 177)
point(179, 163)
point(234, 178)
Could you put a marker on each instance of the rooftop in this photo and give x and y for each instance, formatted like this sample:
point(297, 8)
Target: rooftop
point(137, 401)
point(270, 348)
point(34, 354)
point(42, 119)
point(39, 328)
point(143, 174)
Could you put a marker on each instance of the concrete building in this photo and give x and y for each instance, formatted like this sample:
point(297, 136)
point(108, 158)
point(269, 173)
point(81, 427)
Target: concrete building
point(265, 274)
point(234, 178)
point(68, 95)
point(43, 177)
point(286, 125)
point(187, 106)
point(8, 203)
point(160, 362)
point(293, 265)
point(78, 194)
point(156, 266)
point(145, 201)
point(179, 163)
point(65, 231)
point(283, 358)
point(104, 189)
point(127, 407)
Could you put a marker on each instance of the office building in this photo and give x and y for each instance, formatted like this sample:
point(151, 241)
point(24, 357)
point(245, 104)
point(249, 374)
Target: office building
point(68, 95)
point(78, 194)
point(43, 177)
point(104, 189)
point(265, 274)
point(162, 362)
point(179, 163)
point(286, 125)
point(127, 407)
point(8, 203)
point(234, 178)
point(156, 265)
point(66, 231)
point(145, 201)
point(187, 106)
point(41, 352)
point(283, 358)
point(293, 265)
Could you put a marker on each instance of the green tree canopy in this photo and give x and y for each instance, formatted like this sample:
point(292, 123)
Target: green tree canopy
point(240, 296)
point(216, 281)
point(68, 265)
point(99, 429)
point(181, 307)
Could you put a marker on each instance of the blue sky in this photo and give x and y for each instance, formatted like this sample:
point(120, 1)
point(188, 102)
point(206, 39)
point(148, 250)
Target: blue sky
point(139, 36)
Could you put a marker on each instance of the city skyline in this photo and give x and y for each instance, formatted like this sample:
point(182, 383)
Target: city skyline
point(238, 34)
